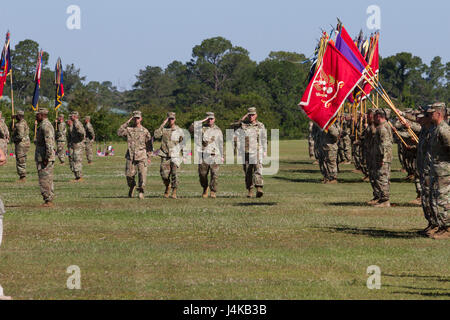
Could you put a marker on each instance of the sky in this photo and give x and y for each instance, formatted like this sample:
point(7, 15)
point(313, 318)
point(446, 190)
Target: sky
point(118, 38)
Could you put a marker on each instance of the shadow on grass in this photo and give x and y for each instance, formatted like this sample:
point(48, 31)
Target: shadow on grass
point(425, 294)
point(400, 180)
point(255, 204)
point(309, 162)
point(415, 276)
point(364, 204)
point(375, 233)
point(298, 180)
point(301, 171)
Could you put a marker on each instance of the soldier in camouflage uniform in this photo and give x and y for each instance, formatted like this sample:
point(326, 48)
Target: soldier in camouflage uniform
point(172, 143)
point(21, 139)
point(76, 137)
point(138, 154)
point(90, 138)
point(330, 153)
point(61, 138)
point(45, 156)
point(252, 141)
point(424, 167)
point(209, 147)
point(382, 155)
point(311, 140)
point(4, 135)
point(440, 171)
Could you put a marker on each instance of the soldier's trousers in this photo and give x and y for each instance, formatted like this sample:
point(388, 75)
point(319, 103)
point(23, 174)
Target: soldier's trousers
point(76, 159)
point(311, 147)
point(21, 160)
point(133, 168)
point(382, 182)
point(440, 193)
point(169, 172)
point(61, 151)
point(45, 175)
point(426, 199)
point(331, 164)
point(253, 173)
point(203, 170)
point(347, 148)
point(89, 152)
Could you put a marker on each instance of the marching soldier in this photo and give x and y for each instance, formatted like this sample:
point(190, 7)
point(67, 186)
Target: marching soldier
point(90, 138)
point(210, 151)
point(45, 156)
point(61, 138)
point(76, 138)
point(172, 139)
point(382, 156)
point(440, 171)
point(138, 155)
point(4, 135)
point(254, 150)
point(21, 139)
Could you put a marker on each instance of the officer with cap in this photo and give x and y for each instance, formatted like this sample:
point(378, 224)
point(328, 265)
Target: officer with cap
point(209, 147)
point(172, 143)
point(45, 155)
point(21, 139)
point(77, 134)
point(138, 155)
point(252, 137)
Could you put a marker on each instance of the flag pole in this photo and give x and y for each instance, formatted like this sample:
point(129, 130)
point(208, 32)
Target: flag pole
point(12, 99)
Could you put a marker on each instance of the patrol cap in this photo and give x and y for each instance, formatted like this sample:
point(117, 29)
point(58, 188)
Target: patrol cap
point(372, 110)
point(439, 106)
point(251, 111)
point(42, 111)
point(210, 115)
point(87, 118)
point(20, 113)
point(420, 116)
point(75, 113)
point(171, 115)
point(409, 110)
point(137, 114)
point(61, 115)
point(380, 112)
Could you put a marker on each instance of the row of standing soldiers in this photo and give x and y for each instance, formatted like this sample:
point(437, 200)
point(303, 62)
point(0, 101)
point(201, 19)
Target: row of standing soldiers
point(49, 145)
point(367, 142)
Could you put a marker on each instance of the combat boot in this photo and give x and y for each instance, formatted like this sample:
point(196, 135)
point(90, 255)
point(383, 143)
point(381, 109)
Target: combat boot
point(131, 192)
point(429, 233)
point(373, 201)
point(334, 181)
point(22, 180)
point(443, 233)
point(259, 192)
point(417, 202)
point(48, 204)
point(141, 196)
point(174, 193)
point(205, 193)
point(167, 191)
point(384, 204)
point(250, 193)
point(213, 195)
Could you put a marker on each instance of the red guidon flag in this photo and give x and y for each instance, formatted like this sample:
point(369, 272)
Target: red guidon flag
point(334, 81)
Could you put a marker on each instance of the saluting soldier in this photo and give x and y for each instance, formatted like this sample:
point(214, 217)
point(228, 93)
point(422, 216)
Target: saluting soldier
point(76, 137)
point(4, 135)
point(61, 138)
point(45, 156)
point(172, 143)
point(90, 138)
point(440, 171)
point(209, 145)
point(21, 139)
point(138, 155)
point(254, 149)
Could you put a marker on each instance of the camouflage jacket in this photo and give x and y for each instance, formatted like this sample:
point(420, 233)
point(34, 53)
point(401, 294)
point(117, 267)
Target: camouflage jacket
point(77, 133)
point(139, 142)
point(21, 133)
point(440, 149)
point(330, 138)
point(383, 139)
point(45, 142)
point(171, 142)
point(4, 132)
point(61, 132)
point(90, 133)
point(210, 141)
point(252, 137)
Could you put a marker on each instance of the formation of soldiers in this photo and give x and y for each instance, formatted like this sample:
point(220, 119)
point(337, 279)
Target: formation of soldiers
point(370, 137)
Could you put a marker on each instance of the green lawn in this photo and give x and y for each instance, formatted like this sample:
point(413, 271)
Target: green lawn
point(302, 240)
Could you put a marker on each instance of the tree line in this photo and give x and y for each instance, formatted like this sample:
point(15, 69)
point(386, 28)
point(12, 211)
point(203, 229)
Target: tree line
point(219, 77)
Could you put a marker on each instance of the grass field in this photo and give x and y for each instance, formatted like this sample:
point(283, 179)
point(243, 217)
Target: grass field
point(302, 240)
